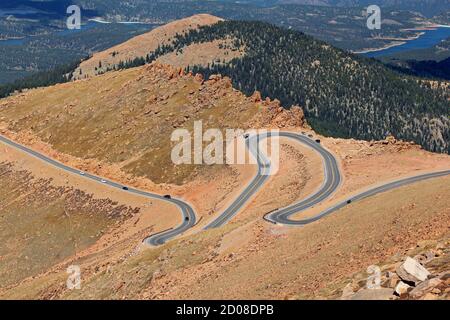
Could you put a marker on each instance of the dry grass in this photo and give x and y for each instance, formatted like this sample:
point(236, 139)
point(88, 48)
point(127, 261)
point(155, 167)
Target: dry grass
point(41, 225)
point(269, 261)
point(202, 54)
point(141, 45)
point(127, 118)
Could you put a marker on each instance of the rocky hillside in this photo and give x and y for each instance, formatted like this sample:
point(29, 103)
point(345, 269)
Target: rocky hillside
point(141, 45)
point(252, 259)
point(42, 224)
point(126, 118)
point(342, 94)
point(423, 273)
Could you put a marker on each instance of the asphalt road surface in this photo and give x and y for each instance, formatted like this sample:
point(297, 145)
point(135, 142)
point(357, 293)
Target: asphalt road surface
point(188, 215)
point(282, 217)
point(331, 182)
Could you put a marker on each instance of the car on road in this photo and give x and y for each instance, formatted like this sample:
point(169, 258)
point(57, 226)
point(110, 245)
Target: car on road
point(246, 136)
point(103, 181)
point(125, 188)
point(265, 165)
point(167, 196)
point(82, 173)
point(349, 201)
point(186, 218)
point(318, 140)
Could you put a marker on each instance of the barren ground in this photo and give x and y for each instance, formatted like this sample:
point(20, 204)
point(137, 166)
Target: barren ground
point(141, 45)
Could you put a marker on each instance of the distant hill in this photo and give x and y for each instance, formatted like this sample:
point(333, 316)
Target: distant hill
point(425, 68)
point(432, 68)
point(431, 62)
point(426, 7)
point(141, 45)
point(126, 118)
point(342, 94)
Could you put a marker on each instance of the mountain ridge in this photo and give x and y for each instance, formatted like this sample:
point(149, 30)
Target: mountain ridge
point(342, 94)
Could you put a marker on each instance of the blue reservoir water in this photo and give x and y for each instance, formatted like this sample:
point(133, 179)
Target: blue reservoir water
point(428, 40)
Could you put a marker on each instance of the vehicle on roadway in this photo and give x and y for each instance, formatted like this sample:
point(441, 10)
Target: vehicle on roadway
point(82, 173)
point(349, 201)
point(246, 136)
point(103, 181)
point(167, 196)
point(318, 140)
point(125, 188)
point(186, 218)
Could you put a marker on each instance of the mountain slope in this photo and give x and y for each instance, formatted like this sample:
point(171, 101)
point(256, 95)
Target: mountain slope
point(257, 260)
point(42, 223)
point(141, 45)
point(126, 118)
point(431, 68)
point(342, 94)
point(426, 7)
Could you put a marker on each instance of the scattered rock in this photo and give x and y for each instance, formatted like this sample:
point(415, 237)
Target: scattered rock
point(348, 291)
point(429, 296)
point(256, 97)
point(374, 294)
point(402, 288)
point(392, 280)
point(412, 271)
point(411, 280)
point(426, 257)
point(424, 287)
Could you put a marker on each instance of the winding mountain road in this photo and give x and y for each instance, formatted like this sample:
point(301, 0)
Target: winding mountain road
point(188, 214)
point(332, 180)
point(282, 216)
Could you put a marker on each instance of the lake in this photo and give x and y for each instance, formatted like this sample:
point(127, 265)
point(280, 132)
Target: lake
point(429, 39)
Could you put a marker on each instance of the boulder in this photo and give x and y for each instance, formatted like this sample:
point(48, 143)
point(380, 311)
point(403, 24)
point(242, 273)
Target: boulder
point(256, 97)
point(402, 288)
point(429, 296)
point(215, 77)
point(374, 294)
point(426, 257)
point(412, 271)
point(348, 291)
point(392, 280)
point(425, 287)
point(199, 77)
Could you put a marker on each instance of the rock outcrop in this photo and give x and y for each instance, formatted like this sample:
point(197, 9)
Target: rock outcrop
point(426, 276)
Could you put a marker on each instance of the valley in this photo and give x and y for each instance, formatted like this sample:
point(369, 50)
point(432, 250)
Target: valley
point(37, 30)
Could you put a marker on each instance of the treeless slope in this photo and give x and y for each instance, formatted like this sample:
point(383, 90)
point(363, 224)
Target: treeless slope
point(41, 224)
point(203, 54)
point(126, 118)
point(141, 45)
point(267, 261)
point(48, 216)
